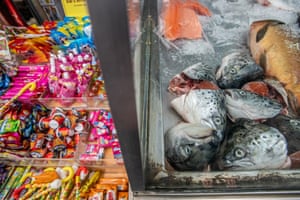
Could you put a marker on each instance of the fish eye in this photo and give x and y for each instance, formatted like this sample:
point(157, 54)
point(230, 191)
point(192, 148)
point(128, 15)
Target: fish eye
point(294, 122)
point(217, 120)
point(239, 153)
point(233, 70)
point(242, 92)
point(187, 150)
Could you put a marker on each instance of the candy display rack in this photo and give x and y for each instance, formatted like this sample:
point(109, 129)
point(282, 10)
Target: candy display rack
point(88, 103)
point(61, 137)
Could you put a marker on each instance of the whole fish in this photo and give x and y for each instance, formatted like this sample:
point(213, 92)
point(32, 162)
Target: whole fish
point(191, 146)
point(290, 127)
point(236, 69)
point(276, 47)
point(254, 146)
point(247, 105)
point(203, 106)
point(199, 75)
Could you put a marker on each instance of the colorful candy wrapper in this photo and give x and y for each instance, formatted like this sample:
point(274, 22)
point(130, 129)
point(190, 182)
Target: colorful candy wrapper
point(9, 125)
point(96, 194)
point(13, 179)
point(11, 141)
point(121, 183)
point(4, 49)
point(111, 191)
point(91, 180)
point(122, 195)
point(6, 179)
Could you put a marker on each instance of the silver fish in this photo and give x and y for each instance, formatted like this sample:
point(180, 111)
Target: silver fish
point(191, 146)
point(191, 77)
point(290, 127)
point(255, 146)
point(203, 106)
point(236, 69)
point(247, 105)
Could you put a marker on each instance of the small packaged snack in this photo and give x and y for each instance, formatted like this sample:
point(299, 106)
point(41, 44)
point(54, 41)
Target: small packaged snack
point(4, 49)
point(9, 125)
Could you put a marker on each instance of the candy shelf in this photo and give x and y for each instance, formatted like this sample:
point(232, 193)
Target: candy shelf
point(43, 139)
point(107, 164)
point(88, 103)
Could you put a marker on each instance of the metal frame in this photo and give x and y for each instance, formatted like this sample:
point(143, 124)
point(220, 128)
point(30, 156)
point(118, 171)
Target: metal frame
point(110, 28)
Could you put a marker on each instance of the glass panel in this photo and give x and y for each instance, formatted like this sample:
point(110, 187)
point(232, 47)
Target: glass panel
point(176, 45)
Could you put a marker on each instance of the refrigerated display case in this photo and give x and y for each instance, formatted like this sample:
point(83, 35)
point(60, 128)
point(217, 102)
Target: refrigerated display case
point(138, 63)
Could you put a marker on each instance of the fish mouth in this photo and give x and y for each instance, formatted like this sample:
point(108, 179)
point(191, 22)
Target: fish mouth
point(227, 164)
point(229, 93)
point(231, 166)
point(202, 139)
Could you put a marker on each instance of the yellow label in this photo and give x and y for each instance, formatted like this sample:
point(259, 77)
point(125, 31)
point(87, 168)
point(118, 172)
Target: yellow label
point(75, 8)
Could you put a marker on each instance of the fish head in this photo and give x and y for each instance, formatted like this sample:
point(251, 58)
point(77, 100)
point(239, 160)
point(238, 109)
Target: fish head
point(198, 75)
point(244, 104)
point(260, 27)
point(179, 84)
point(190, 146)
point(290, 127)
point(261, 147)
point(213, 110)
point(201, 71)
point(236, 69)
point(258, 31)
point(202, 106)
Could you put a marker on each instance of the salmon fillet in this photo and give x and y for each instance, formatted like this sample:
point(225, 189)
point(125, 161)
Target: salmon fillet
point(181, 19)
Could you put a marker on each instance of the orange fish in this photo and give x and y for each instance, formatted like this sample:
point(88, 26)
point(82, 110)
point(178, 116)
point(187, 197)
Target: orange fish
point(276, 48)
point(181, 19)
